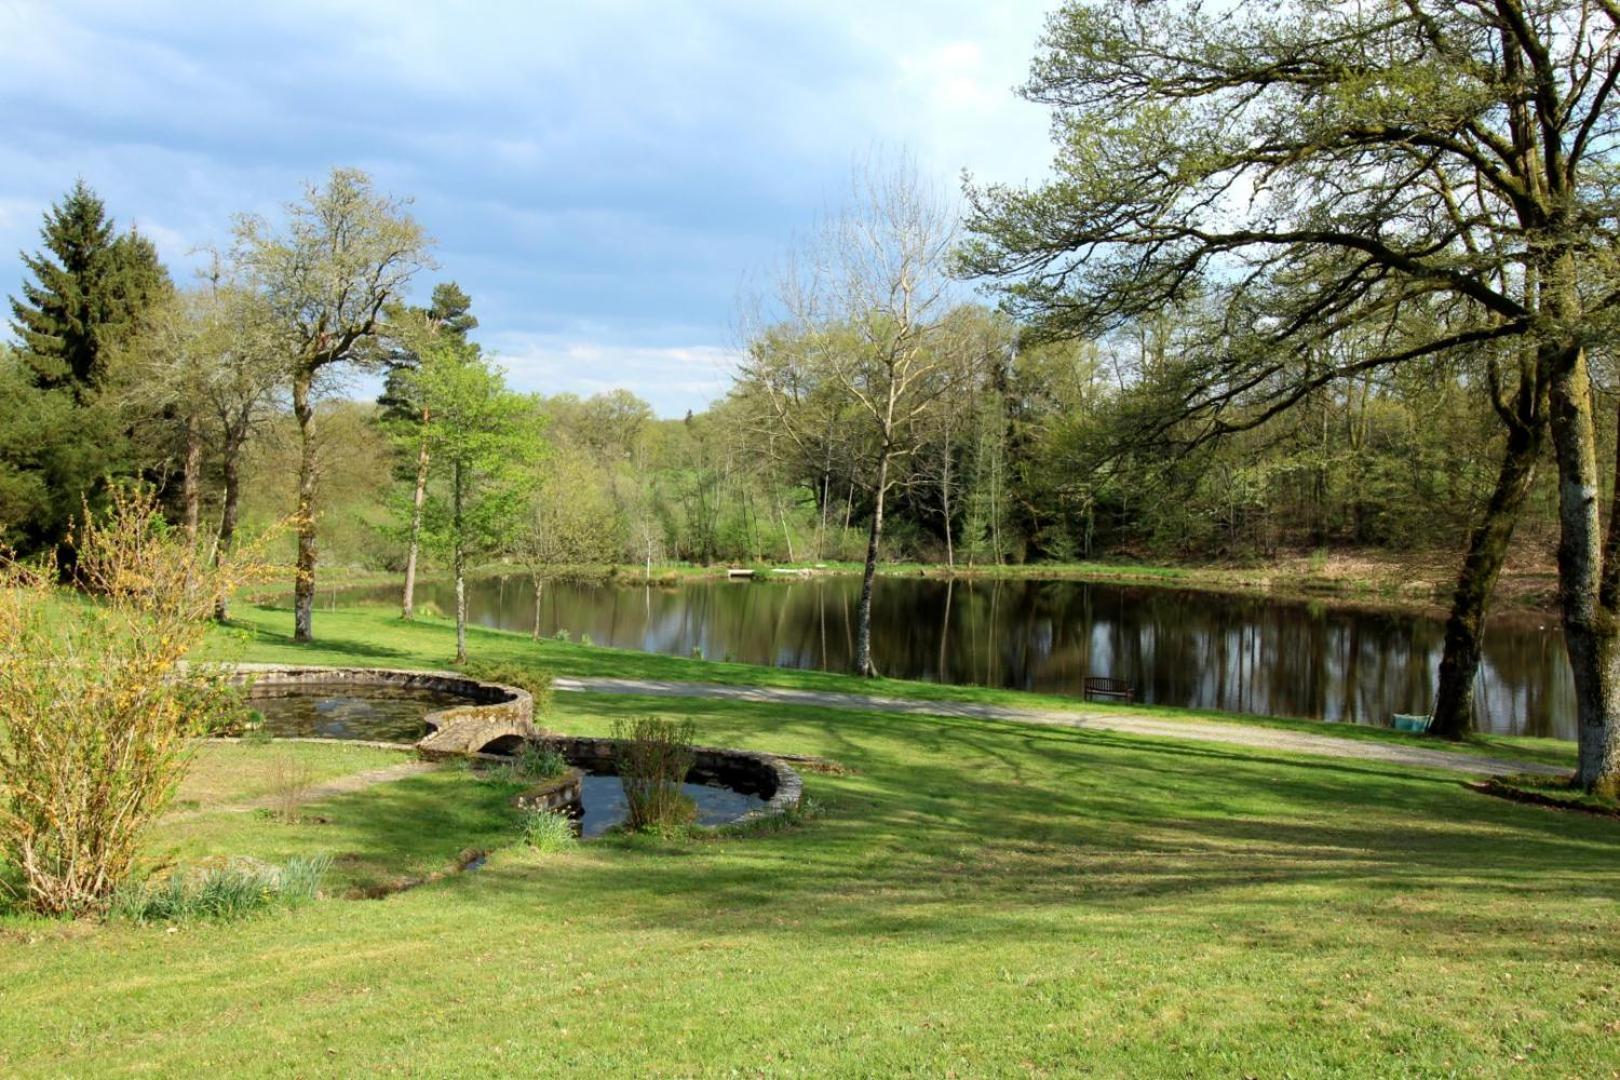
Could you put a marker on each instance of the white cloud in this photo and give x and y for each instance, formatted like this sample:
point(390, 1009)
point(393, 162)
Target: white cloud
point(672, 378)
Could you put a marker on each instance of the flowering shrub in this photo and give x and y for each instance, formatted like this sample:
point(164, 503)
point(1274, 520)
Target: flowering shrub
point(99, 715)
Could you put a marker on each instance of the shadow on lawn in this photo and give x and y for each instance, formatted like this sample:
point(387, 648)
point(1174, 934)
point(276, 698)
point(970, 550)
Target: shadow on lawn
point(968, 828)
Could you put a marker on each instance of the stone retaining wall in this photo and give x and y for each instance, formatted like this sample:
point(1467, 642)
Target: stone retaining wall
point(497, 717)
point(741, 770)
point(500, 719)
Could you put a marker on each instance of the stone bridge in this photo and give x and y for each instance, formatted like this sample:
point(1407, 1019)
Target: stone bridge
point(495, 720)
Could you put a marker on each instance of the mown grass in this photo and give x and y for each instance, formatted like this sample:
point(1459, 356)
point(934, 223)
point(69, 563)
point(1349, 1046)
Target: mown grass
point(378, 637)
point(975, 897)
point(240, 772)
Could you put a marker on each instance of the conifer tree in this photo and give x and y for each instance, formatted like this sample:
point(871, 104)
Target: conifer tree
point(91, 287)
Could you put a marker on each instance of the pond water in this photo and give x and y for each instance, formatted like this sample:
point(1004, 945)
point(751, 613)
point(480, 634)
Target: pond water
point(604, 804)
point(376, 713)
point(1202, 650)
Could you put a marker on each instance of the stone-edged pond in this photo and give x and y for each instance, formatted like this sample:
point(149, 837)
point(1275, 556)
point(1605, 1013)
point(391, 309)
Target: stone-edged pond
point(447, 716)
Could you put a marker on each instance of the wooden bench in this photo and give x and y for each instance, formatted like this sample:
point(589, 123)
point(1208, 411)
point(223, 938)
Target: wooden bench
point(1118, 689)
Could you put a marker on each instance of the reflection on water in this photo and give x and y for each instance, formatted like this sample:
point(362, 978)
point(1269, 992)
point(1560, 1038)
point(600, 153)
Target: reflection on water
point(377, 713)
point(1240, 654)
point(605, 804)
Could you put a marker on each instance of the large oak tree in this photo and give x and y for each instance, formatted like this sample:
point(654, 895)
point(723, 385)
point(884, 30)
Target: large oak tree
point(1322, 166)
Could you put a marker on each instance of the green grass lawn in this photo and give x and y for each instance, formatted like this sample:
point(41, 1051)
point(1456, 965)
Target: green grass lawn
point(975, 898)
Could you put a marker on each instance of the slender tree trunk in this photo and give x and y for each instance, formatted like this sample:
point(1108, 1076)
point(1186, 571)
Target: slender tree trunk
point(863, 613)
point(1487, 550)
point(539, 592)
point(945, 509)
point(408, 608)
point(191, 479)
point(304, 578)
point(232, 469)
point(1589, 622)
point(786, 535)
point(460, 566)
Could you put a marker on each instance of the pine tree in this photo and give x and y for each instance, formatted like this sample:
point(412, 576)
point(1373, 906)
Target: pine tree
point(90, 288)
point(449, 312)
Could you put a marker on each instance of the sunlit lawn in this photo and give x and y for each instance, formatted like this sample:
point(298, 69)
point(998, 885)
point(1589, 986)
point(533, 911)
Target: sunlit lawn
point(975, 897)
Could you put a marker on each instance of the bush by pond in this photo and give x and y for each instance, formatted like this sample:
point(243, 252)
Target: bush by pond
point(536, 680)
point(654, 756)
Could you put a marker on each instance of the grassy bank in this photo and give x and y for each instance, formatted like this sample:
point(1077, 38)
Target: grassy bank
point(974, 897)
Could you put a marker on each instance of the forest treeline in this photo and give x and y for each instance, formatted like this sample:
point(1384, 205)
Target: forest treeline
point(1028, 460)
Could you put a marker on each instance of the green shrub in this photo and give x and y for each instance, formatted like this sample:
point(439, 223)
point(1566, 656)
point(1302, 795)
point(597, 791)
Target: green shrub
point(654, 755)
point(547, 831)
point(537, 681)
point(101, 718)
point(222, 893)
point(538, 762)
point(533, 762)
point(585, 639)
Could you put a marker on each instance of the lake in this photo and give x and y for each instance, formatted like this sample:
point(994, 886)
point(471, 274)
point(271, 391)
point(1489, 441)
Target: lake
point(1194, 649)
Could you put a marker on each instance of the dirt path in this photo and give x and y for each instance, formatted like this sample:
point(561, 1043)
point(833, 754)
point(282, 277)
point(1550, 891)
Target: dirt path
point(1261, 738)
point(341, 785)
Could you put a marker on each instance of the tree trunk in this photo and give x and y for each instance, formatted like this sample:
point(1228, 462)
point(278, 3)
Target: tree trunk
point(1487, 549)
point(460, 560)
point(227, 518)
point(539, 592)
point(304, 578)
point(1589, 622)
point(408, 608)
point(863, 613)
point(191, 479)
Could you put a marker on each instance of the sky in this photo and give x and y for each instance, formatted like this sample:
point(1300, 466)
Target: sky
point(604, 178)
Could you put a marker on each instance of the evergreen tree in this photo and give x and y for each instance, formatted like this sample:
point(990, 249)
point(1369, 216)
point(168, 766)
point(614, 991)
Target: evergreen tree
point(449, 312)
point(90, 288)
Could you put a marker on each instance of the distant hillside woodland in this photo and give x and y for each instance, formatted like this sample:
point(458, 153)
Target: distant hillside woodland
point(1035, 455)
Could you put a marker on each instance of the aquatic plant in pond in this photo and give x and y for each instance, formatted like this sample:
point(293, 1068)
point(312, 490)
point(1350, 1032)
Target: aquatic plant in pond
point(653, 757)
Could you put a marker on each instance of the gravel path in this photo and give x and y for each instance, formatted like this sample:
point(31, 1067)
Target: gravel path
point(1261, 738)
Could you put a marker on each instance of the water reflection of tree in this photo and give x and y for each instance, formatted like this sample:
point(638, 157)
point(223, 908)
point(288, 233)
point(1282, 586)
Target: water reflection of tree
point(1188, 649)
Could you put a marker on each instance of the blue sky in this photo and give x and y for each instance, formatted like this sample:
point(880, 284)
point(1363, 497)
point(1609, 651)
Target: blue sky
point(603, 178)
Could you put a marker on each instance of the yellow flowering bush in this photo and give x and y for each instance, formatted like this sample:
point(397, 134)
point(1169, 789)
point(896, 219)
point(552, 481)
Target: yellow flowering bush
point(99, 714)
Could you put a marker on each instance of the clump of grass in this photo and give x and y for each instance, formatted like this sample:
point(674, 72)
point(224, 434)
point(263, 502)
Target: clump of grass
point(654, 755)
point(537, 681)
point(291, 778)
point(533, 762)
point(1558, 792)
point(222, 894)
point(539, 762)
point(548, 831)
